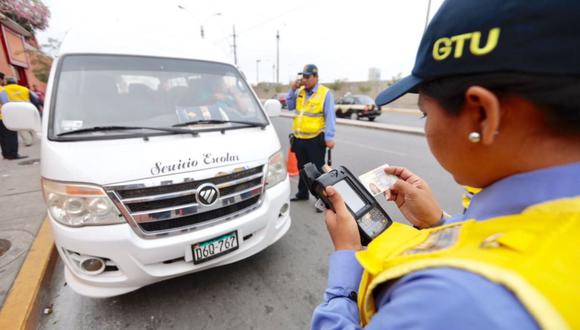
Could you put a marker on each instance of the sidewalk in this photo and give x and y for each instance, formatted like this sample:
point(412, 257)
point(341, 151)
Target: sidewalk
point(22, 211)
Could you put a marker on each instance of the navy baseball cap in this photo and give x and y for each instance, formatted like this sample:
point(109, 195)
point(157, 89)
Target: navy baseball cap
point(475, 37)
point(309, 70)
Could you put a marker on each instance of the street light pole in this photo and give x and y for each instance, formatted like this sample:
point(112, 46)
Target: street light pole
point(201, 30)
point(427, 18)
point(277, 56)
point(258, 71)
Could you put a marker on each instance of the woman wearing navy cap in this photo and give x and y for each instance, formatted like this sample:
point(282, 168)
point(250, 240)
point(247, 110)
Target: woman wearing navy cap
point(498, 81)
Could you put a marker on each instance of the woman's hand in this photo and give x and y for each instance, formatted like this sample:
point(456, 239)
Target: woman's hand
point(341, 225)
point(414, 198)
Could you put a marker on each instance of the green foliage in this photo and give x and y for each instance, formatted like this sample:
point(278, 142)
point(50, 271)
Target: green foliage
point(364, 89)
point(395, 79)
point(337, 85)
point(41, 62)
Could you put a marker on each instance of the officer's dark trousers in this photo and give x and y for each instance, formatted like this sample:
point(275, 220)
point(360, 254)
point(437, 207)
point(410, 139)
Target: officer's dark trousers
point(308, 151)
point(8, 142)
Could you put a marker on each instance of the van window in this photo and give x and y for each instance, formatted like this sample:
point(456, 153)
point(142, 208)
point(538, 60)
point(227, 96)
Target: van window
point(107, 90)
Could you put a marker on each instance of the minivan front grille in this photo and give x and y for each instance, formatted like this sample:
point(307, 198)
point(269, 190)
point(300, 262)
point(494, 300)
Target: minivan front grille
point(194, 219)
point(174, 207)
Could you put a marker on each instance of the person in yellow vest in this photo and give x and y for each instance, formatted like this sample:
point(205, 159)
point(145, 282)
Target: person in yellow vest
point(8, 138)
point(15, 93)
point(314, 124)
point(498, 83)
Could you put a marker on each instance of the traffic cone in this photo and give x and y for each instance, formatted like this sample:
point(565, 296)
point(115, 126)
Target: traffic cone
point(292, 164)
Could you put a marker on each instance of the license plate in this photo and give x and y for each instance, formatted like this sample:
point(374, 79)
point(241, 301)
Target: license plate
point(214, 247)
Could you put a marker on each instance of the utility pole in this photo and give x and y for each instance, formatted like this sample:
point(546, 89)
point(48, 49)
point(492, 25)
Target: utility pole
point(202, 33)
point(427, 18)
point(277, 56)
point(258, 71)
point(235, 47)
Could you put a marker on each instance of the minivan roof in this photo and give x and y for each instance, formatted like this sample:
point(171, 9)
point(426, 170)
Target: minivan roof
point(120, 37)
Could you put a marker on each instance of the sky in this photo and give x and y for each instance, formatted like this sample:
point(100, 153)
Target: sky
point(343, 38)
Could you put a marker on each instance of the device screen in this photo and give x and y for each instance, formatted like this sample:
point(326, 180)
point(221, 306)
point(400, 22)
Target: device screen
point(351, 198)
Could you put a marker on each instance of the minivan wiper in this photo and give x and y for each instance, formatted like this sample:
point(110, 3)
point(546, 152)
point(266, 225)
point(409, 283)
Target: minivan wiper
point(217, 121)
point(121, 128)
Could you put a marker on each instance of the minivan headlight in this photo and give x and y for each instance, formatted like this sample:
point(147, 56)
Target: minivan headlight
point(78, 205)
point(276, 169)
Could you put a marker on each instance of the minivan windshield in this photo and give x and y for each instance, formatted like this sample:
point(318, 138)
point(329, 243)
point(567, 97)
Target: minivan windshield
point(96, 91)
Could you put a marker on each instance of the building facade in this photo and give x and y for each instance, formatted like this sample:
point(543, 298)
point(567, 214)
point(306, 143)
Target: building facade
point(19, 53)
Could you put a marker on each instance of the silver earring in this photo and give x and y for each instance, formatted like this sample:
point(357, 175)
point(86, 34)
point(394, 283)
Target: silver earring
point(474, 137)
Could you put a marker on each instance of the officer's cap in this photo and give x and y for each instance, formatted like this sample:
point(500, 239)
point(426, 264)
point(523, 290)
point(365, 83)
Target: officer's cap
point(309, 70)
point(475, 36)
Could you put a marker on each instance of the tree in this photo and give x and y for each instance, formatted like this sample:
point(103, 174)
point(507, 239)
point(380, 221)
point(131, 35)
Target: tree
point(30, 14)
point(336, 85)
point(364, 89)
point(41, 62)
point(395, 79)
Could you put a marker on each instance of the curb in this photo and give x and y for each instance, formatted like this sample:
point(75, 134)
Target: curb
point(379, 126)
point(21, 308)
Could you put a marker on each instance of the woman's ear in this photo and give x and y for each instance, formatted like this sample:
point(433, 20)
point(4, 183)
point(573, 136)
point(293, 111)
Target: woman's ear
point(487, 106)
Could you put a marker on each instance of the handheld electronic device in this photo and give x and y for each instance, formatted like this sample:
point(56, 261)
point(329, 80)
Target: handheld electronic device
point(370, 217)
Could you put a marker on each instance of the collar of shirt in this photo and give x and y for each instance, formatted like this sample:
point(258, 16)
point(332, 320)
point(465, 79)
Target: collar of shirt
point(515, 193)
point(311, 91)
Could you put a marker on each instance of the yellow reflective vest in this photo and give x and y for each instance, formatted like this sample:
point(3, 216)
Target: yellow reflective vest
point(16, 93)
point(534, 254)
point(468, 195)
point(309, 121)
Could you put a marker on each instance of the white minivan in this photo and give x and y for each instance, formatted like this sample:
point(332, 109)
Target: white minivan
point(156, 161)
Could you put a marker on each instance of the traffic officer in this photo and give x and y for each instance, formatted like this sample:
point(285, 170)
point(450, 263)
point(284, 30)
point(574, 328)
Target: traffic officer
point(12, 92)
point(314, 124)
point(498, 82)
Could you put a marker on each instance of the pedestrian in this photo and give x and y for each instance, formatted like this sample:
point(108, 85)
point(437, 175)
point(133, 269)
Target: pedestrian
point(12, 92)
point(498, 82)
point(39, 98)
point(313, 129)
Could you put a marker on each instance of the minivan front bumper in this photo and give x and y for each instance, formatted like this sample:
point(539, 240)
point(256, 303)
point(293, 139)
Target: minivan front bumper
point(133, 262)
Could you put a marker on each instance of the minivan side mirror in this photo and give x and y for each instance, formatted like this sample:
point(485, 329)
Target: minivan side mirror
point(21, 116)
point(273, 108)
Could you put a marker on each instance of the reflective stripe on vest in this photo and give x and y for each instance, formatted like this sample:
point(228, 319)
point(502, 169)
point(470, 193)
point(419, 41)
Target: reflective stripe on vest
point(309, 121)
point(534, 254)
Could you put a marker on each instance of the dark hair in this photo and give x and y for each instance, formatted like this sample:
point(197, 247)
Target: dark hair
point(557, 97)
point(1, 75)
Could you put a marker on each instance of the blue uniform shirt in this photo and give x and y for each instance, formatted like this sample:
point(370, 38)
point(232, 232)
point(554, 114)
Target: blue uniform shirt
point(328, 107)
point(447, 298)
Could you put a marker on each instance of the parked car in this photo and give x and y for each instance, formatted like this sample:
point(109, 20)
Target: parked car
point(282, 98)
point(361, 106)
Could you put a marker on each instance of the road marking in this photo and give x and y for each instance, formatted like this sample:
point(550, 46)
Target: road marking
point(21, 307)
point(371, 148)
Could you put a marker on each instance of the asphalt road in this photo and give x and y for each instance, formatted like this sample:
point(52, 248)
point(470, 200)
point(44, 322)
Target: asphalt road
point(412, 119)
point(276, 289)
